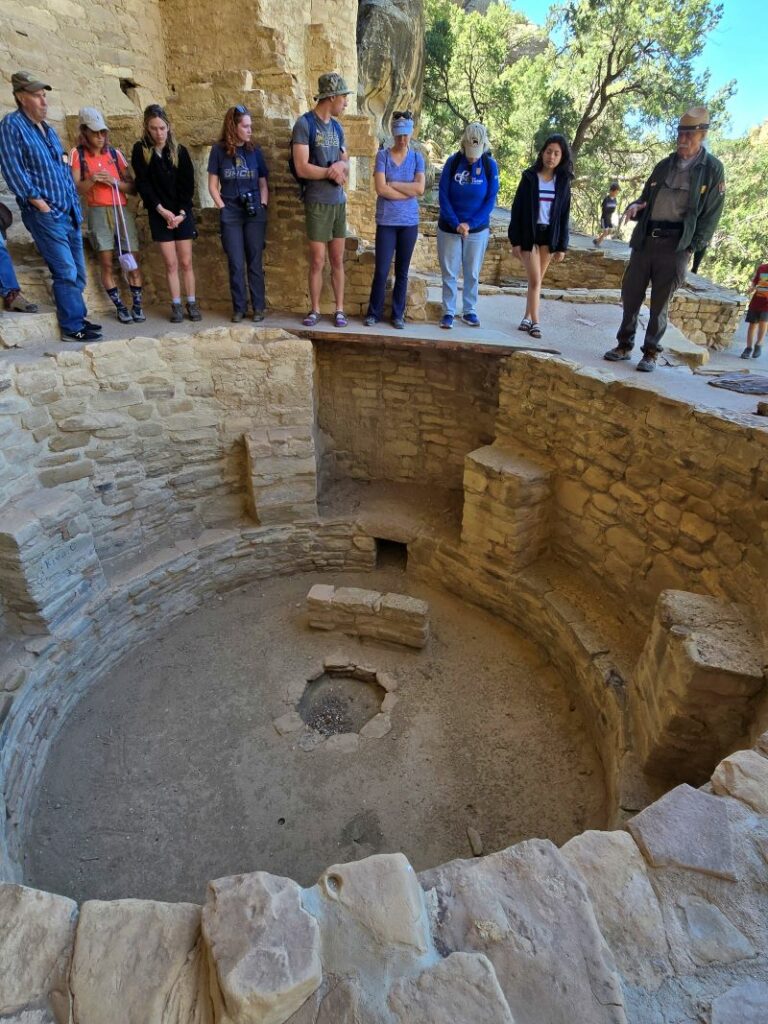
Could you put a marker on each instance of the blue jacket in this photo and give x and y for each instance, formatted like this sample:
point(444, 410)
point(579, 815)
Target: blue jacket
point(466, 194)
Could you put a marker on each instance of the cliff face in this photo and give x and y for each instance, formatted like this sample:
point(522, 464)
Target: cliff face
point(390, 52)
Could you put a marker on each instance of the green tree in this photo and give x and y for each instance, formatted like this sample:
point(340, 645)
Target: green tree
point(741, 242)
point(627, 60)
point(482, 67)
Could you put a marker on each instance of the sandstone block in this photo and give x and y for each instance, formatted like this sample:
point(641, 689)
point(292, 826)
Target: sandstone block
point(625, 903)
point(382, 894)
point(746, 1003)
point(147, 952)
point(686, 829)
point(712, 938)
point(37, 932)
point(263, 945)
point(461, 988)
point(529, 913)
point(744, 775)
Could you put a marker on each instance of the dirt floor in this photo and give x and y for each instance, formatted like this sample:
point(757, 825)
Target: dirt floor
point(170, 771)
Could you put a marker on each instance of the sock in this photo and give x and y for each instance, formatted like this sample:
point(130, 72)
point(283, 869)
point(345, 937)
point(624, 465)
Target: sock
point(114, 294)
point(176, 301)
point(190, 298)
point(136, 295)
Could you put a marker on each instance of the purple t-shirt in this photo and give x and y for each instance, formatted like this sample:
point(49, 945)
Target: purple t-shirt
point(398, 212)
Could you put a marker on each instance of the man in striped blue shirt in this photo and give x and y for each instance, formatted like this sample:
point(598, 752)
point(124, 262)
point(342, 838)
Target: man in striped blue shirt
point(33, 164)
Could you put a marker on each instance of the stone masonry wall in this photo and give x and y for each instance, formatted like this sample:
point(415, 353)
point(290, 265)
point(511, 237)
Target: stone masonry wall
point(402, 414)
point(149, 433)
point(650, 493)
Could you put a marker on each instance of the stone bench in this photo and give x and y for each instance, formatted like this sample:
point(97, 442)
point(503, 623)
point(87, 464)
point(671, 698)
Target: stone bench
point(395, 618)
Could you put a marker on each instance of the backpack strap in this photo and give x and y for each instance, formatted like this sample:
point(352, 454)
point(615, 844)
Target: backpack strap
point(81, 158)
point(455, 161)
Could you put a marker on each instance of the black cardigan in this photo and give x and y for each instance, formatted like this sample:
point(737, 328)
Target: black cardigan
point(525, 212)
point(159, 182)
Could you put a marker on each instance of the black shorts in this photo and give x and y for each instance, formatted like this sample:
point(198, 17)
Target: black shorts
point(160, 231)
point(542, 234)
point(756, 316)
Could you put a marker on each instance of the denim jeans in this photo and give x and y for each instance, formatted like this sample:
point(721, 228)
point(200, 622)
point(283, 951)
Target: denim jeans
point(8, 282)
point(242, 238)
point(463, 255)
point(398, 242)
point(60, 243)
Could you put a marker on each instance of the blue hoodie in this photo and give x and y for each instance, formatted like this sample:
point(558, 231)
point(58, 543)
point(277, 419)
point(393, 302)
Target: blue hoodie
point(466, 195)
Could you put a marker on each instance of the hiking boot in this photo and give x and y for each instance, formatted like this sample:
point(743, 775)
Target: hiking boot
point(237, 317)
point(757, 351)
point(615, 355)
point(398, 323)
point(138, 314)
point(258, 315)
point(177, 313)
point(123, 315)
point(647, 364)
point(193, 311)
point(370, 321)
point(14, 302)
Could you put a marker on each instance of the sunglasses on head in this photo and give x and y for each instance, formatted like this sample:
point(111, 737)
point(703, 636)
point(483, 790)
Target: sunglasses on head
point(407, 114)
point(240, 109)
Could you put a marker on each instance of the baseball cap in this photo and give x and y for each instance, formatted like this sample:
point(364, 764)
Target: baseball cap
point(92, 118)
point(25, 81)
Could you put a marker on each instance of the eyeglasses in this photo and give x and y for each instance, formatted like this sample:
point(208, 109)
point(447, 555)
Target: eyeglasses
point(240, 109)
point(407, 114)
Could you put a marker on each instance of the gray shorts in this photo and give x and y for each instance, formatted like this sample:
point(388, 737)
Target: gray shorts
point(100, 221)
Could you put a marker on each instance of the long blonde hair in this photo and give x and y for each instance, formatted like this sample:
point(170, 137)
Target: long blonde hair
point(147, 145)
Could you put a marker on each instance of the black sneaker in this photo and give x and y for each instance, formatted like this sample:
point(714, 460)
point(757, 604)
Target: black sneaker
point(84, 334)
point(193, 311)
point(258, 315)
point(177, 313)
point(91, 327)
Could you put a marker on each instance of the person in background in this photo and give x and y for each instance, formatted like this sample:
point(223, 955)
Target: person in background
point(102, 178)
point(676, 215)
point(607, 214)
point(469, 184)
point(399, 176)
point(538, 225)
point(34, 166)
point(757, 314)
point(237, 182)
point(320, 156)
point(165, 180)
point(13, 300)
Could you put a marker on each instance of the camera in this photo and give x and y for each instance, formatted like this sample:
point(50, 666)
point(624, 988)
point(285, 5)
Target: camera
point(250, 202)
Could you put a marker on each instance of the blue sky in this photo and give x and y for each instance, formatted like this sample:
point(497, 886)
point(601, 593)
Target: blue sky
point(736, 49)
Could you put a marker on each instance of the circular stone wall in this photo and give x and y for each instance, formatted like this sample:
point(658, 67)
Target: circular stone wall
point(171, 770)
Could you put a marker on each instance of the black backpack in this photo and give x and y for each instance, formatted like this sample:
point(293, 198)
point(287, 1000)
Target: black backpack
point(312, 130)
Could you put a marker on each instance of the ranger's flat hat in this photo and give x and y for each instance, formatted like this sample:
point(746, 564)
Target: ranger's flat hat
point(25, 81)
point(696, 119)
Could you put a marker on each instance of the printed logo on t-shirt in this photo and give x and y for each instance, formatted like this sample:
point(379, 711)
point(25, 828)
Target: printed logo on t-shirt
point(238, 169)
point(465, 178)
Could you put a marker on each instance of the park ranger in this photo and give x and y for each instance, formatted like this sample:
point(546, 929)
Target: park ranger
point(676, 215)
